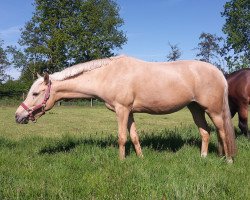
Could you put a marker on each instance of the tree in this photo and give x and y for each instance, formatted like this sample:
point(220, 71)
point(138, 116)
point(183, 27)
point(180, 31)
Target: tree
point(237, 29)
point(175, 52)
point(65, 32)
point(29, 68)
point(236, 61)
point(237, 26)
point(3, 63)
point(210, 50)
point(13, 89)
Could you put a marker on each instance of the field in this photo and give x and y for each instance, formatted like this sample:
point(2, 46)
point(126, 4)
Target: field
point(72, 153)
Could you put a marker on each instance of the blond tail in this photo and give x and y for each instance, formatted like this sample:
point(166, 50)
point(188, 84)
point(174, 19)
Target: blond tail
point(228, 126)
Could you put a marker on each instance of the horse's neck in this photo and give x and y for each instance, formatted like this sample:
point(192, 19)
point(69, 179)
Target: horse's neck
point(83, 86)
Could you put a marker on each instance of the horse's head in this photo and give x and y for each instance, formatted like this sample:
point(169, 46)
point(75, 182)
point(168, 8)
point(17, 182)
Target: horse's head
point(39, 99)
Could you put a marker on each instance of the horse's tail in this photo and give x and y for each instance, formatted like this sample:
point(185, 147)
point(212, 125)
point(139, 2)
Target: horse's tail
point(228, 126)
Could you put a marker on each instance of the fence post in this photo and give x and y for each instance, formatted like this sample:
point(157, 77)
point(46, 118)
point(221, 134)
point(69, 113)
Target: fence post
point(91, 102)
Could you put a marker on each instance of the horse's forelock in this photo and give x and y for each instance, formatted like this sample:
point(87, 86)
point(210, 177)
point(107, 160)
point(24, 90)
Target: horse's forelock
point(35, 84)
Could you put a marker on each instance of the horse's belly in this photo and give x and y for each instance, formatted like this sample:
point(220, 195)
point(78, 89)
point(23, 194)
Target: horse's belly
point(163, 100)
point(160, 106)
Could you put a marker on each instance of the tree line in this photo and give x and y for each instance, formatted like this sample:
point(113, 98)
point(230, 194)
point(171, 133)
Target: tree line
point(228, 54)
point(62, 33)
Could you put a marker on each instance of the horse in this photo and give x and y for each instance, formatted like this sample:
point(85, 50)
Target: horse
point(239, 97)
point(128, 85)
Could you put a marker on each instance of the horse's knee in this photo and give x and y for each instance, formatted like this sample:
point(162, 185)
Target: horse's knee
point(122, 141)
point(205, 135)
point(134, 139)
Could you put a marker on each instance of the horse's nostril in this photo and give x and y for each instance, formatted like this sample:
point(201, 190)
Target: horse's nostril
point(17, 118)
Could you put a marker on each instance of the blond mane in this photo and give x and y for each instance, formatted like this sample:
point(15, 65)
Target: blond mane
point(81, 68)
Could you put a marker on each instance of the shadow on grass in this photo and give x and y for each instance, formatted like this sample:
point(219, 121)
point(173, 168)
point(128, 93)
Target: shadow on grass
point(6, 143)
point(162, 141)
point(172, 142)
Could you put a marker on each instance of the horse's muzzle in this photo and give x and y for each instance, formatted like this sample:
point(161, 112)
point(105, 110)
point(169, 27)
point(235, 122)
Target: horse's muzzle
point(21, 120)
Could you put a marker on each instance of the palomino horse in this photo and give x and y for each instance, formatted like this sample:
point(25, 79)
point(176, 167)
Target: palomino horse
point(128, 85)
point(239, 97)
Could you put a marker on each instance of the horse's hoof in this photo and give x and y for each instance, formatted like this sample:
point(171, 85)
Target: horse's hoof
point(140, 156)
point(230, 161)
point(203, 155)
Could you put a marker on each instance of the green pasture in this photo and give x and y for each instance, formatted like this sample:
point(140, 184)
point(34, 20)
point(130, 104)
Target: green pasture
point(72, 153)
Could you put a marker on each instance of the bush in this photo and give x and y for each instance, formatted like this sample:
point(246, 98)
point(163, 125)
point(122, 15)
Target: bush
point(13, 90)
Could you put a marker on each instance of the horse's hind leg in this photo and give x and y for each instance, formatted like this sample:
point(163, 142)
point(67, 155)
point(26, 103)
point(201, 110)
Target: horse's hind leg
point(221, 134)
point(199, 118)
point(243, 117)
point(133, 135)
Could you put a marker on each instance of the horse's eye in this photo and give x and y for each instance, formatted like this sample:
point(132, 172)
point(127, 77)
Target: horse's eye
point(35, 94)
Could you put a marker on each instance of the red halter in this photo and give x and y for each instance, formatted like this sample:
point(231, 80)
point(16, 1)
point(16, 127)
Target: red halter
point(39, 106)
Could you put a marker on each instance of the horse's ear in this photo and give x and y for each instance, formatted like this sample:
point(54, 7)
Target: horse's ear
point(38, 75)
point(46, 78)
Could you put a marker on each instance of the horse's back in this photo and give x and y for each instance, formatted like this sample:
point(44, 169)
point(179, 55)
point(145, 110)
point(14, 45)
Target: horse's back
point(239, 85)
point(184, 69)
point(237, 77)
point(197, 75)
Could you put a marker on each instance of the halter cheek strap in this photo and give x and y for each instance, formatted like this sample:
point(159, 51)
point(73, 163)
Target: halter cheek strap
point(41, 106)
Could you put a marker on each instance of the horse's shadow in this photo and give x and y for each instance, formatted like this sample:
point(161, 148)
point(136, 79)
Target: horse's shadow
point(171, 143)
point(157, 142)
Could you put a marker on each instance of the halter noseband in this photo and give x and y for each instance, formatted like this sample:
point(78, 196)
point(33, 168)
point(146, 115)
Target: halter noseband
point(42, 106)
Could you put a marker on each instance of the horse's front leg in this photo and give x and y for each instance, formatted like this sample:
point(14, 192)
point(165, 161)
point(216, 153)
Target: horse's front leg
point(133, 135)
point(243, 117)
point(122, 114)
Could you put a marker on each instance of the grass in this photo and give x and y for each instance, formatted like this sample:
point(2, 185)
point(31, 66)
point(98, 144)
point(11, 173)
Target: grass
point(71, 153)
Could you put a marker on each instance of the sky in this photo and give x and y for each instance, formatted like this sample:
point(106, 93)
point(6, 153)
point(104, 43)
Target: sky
point(150, 25)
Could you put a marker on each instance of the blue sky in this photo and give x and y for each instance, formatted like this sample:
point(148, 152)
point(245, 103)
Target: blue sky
point(149, 25)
